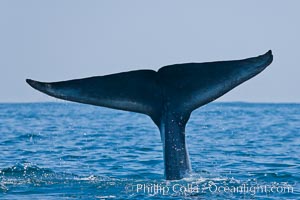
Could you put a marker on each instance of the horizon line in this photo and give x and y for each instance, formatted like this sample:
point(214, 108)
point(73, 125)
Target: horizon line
point(68, 102)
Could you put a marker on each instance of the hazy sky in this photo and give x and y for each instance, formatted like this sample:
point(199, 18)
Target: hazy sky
point(65, 39)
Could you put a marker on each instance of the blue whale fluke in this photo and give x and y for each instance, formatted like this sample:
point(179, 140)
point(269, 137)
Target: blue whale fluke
point(168, 96)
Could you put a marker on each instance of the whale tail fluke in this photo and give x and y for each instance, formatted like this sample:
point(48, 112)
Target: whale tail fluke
point(180, 87)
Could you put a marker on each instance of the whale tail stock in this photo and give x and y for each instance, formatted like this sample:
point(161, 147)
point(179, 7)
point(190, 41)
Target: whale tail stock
point(168, 96)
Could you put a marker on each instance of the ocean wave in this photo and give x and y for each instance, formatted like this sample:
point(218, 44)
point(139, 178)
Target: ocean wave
point(29, 173)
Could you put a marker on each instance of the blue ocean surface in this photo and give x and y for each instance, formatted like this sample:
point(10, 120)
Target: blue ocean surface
point(73, 151)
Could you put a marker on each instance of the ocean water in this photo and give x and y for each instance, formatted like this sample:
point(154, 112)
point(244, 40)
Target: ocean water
point(74, 151)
